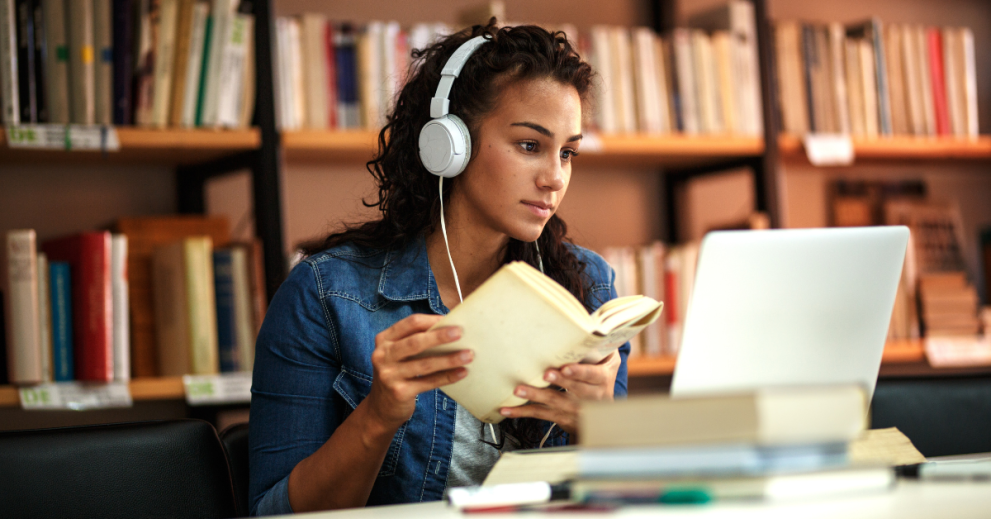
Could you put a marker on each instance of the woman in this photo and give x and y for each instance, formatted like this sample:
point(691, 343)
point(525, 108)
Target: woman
point(341, 415)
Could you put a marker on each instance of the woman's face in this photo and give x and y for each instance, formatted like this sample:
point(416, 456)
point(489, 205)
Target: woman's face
point(521, 165)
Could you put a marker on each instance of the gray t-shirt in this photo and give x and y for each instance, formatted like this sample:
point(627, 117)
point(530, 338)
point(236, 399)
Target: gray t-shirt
point(471, 459)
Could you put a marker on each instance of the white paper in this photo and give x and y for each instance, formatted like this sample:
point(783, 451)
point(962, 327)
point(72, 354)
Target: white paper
point(956, 352)
point(224, 388)
point(829, 149)
point(75, 396)
point(60, 137)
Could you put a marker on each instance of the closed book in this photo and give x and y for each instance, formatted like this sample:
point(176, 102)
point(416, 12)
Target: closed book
point(765, 417)
point(601, 59)
point(810, 58)
point(180, 66)
point(969, 82)
point(722, 52)
point(60, 283)
point(645, 81)
point(837, 55)
point(532, 310)
point(912, 80)
point(315, 74)
point(791, 79)
point(40, 57)
point(89, 256)
point(223, 282)
point(124, 18)
point(82, 71)
point(244, 320)
point(347, 78)
point(9, 85)
point(222, 13)
point(103, 61)
point(662, 63)
point(56, 62)
point(230, 87)
point(330, 60)
point(925, 79)
point(24, 346)
point(168, 12)
point(900, 124)
point(192, 78)
point(44, 319)
point(144, 65)
point(368, 51)
point(185, 307)
point(26, 61)
point(246, 108)
point(144, 235)
point(953, 80)
point(868, 77)
point(855, 88)
point(870, 32)
point(710, 111)
point(119, 287)
point(625, 101)
point(934, 41)
point(681, 43)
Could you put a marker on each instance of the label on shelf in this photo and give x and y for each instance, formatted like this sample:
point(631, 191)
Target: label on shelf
point(223, 388)
point(75, 396)
point(829, 149)
point(958, 352)
point(63, 137)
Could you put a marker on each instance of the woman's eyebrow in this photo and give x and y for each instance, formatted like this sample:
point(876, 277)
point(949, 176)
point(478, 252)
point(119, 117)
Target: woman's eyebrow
point(544, 131)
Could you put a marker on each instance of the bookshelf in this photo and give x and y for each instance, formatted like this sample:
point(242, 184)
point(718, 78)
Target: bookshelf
point(902, 148)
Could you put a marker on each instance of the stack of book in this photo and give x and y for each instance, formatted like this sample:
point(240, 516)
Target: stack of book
point(949, 304)
point(157, 63)
point(872, 79)
point(773, 444)
point(152, 299)
point(700, 80)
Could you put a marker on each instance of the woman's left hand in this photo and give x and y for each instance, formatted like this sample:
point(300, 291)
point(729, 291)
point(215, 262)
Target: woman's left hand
point(582, 382)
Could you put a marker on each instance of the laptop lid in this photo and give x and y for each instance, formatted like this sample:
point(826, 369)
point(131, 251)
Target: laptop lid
point(789, 308)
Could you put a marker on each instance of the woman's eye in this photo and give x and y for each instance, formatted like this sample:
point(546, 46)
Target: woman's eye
point(567, 155)
point(529, 147)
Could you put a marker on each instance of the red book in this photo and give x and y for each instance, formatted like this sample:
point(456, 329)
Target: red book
point(331, 56)
point(938, 81)
point(88, 256)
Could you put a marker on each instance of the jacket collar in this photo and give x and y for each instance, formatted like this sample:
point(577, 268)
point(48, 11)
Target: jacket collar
point(406, 276)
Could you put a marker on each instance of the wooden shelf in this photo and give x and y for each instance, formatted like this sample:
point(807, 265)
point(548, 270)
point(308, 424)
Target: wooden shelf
point(903, 148)
point(158, 388)
point(360, 146)
point(145, 145)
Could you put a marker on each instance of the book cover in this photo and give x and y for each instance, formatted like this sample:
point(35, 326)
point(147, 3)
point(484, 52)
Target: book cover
point(144, 235)
point(934, 41)
point(514, 311)
point(119, 286)
point(24, 348)
point(681, 44)
point(665, 101)
point(705, 81)
point(168, 11)
point(368, 50)
point(44, 319)
point(103, 49)
point(913, 88)
point(230, 87)
point(970, 81)
point(244, 320)
point(9, 84)
point(180, 66)
point(89, 256)
point(855, 89)
point(900, 124)
point(791, 78)
point(925, 79)
point(348, 113)
point(60, 283)
point(56, 62)
point(124, 15)
point(222, 13)
point(619, 40)
point(722, 52)
point(872, 115)
point(201, 89)
point(330, 63)
point(246, 110)
point(82, 73)
point(953, 79)
point(315, 70)
point(223, 282)
point(192, 78)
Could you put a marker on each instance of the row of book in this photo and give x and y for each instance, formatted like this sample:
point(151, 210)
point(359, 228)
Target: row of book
point(153, 298)
point(872, 79)
point(157, 63)
point(703, 80)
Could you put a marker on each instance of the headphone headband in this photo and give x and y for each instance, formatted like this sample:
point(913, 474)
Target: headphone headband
point(439, 104)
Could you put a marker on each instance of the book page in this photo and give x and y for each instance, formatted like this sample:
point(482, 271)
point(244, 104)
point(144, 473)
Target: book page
point(886, 446)
point(552, 466)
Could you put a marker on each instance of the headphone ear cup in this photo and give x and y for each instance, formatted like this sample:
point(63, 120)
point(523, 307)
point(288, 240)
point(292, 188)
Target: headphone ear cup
point(466, 136)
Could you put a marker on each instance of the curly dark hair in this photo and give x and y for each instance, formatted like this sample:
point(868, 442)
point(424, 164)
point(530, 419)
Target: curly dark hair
point(407, 193)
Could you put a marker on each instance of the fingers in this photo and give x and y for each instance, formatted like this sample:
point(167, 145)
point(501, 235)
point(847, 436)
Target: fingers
point(436, 380)
point(408, 326)
point(422, 341)
point(587, 381)
point(429, 365)
point(546, 404)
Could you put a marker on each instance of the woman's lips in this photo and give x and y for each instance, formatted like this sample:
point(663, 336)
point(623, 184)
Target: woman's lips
point(538, 208)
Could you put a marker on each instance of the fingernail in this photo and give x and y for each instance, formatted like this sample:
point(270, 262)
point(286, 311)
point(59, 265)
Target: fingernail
point(520, 392)
point(550, 377)
point(505, 412)
point(466, 356)
point(567, 372)
point(462, 373)
point(454, 333)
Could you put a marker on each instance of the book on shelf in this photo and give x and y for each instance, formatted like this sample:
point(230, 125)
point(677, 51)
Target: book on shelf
point(82, 80)
point(235, 321)
point(24, 348)
point(44, 319)
point(9, 84)
point(119, 286)
point(60, 282)
point(532, 310)
point(871, 79)
point(56, 61)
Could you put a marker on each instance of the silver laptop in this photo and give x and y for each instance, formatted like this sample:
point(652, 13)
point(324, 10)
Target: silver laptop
point(789, 308)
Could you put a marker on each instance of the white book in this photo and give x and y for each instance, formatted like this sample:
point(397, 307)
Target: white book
point(247, 92)
point(725, 82)
point(283, 102)
point(295, 85)
point(922, 55)
point(389, 61)
point(24, 344)
point(625, 100)
point(103, 90)
point(56, 66)
point(705, 78)
point(871, 121)
point(605, 112)
point(661, 80)
point(951, 78)
point(837, 37)
point(243, 318)
point(232, 71)
point(9, 98)
point(119, 285)
point(645, 80)
point(315, 74)
point(970, 81)
point(194, 64)
point(221, 14)
point(168, 13)
point(45, 319)
point(681, 39)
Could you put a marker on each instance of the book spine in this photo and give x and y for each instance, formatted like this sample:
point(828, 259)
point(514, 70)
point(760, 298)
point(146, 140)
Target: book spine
point(184, 27)
point(970, 84)
point(120, 306)
point(40, 59)
point(685, 75)
point(61, 298)
point(330, 55)
point(936, 78)
point(232, 72)
point(243, 318)
point(56, 64)
point(164, 62)
point(201, 92)
point(223, 279)
point(25, 57)
point(97, 357)
point(44, 319)
point(103, 62)
point(123, 59)
point(201, 305)
point(246, 94)
point(81, 58)
point(951, 80)
point(881, 75)
point(9, 91)
point(221, 14)
point(194, 64)
point(315, 70)
point(24, 350)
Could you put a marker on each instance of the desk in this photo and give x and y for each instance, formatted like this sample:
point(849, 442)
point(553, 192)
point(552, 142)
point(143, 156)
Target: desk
point(910, 499)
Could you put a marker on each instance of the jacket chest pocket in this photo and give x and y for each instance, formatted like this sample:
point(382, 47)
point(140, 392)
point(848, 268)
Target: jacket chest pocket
point(353, 387)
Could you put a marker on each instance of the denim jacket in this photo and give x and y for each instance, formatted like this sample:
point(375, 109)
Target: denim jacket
point(313, 366)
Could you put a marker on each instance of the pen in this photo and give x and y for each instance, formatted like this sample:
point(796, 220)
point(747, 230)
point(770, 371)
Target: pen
point(949, 470)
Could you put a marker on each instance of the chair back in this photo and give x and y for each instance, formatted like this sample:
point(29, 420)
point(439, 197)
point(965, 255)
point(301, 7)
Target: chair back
point(171, 469)
point(235, 440)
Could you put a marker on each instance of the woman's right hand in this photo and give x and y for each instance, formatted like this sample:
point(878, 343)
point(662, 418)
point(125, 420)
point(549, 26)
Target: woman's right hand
point(398, 378)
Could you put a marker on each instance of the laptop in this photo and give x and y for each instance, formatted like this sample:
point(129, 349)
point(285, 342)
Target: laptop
point(789, 308)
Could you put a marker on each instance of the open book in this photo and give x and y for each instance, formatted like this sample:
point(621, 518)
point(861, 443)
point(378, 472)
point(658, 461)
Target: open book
point(521, 322)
